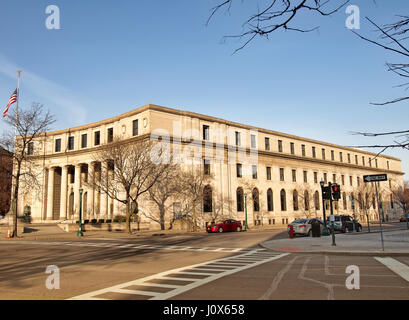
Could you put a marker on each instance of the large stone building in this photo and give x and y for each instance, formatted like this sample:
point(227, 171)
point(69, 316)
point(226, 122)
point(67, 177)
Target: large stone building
point(282, 171)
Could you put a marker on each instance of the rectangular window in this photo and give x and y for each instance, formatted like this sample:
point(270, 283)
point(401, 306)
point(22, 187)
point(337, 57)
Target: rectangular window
point(268, 173)
point(332, 155)
point(294, 174)
point(356, 159)
point(350, 181)
point(30, 148)
point(70, 143)
point(315, 177)
point(387, 164)
point(135, 128)
point(313, 152)
point(325, 178)
point(323, 154)
point(97, 138)
point(239, 172)
point(370, 162)
point(357, 181)
point(238, 138)
point(206, 167)
point(303, 150)
point(267, 143)
point(349, 158)
point(376, 163)
point(110, 134)
point(58, 145)
point(281, 174)
point(343, 179)
point(305, 176)
point(84, 141)
point(334, 178)
point(253, 141)
point(363, 160)
point(292, 147)
point(280, 146)
point(254, 171)
point(340, 157)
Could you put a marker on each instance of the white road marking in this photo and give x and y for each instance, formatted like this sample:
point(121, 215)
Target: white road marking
point(398, 267)
point(178, 289)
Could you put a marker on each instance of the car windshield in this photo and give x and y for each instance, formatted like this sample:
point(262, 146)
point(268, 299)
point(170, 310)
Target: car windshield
point(300, 221)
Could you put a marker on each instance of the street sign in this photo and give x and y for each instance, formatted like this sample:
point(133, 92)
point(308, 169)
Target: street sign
point(375, 178)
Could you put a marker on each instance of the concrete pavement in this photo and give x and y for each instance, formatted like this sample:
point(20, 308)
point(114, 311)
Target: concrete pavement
point(395, 243)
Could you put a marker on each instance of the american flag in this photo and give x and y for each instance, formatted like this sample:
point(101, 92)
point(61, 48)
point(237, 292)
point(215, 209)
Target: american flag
point(13, 99)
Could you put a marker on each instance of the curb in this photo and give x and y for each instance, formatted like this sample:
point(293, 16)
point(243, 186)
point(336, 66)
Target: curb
point(343, 253)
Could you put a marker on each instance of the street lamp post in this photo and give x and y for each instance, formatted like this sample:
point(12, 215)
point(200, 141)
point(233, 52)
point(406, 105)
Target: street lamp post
point(79, 233)
point(325, 232)
point(246, 226)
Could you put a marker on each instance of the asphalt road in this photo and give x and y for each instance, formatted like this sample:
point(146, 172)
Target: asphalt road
point(191, 266)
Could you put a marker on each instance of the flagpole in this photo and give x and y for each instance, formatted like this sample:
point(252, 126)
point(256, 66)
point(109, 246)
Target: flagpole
point(18, 98)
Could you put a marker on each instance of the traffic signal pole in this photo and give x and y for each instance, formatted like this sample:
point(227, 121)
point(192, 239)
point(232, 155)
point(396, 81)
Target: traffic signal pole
point(332, 216)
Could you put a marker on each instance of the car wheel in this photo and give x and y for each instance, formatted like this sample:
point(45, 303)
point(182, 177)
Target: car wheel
point(220, 229)
point(238, 229)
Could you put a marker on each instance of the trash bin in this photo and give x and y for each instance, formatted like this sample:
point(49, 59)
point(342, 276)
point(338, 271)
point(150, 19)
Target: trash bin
point(316, 229)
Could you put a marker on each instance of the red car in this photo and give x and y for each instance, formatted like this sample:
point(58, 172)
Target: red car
point(227, 225)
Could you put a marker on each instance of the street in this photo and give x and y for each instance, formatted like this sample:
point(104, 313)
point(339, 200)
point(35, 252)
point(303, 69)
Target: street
point(195, 266)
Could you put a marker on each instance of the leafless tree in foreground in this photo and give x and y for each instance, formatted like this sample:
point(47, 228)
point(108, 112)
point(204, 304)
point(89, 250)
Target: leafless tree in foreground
point(275, 15)
point(29, 126)
point(364, 196)
point(167, 186)
point(401, 196)
point(307, 201)
point(135, 171)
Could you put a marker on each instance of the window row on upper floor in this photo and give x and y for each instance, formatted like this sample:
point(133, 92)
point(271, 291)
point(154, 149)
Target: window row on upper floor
point(342, 156)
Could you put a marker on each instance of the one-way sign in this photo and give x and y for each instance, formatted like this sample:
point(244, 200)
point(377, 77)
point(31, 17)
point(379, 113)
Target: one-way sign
point(376, 177)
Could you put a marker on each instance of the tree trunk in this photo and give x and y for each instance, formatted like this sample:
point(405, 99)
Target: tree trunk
point(367, 220)
point(15, 198)
point(128, 216)
point(162, 217)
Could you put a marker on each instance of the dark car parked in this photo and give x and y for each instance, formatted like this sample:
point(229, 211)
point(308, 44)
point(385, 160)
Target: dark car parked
point(344, 223)
point(404, 217)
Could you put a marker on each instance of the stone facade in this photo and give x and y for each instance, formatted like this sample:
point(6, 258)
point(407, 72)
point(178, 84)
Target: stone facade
point(283, 171)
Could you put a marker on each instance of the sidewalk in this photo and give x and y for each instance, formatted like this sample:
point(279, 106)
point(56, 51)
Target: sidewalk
point(395, 243)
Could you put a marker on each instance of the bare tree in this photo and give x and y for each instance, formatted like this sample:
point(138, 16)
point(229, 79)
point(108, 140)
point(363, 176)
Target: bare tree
point(401, 197)
point(364, 196)
point(193, 182)
point(25, 130)
point(135, 171)
point(307, 201)
point(166, 186)
point(276, 15)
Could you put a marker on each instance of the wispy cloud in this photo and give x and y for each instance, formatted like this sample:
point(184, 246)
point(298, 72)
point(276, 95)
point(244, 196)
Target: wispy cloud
point(68, 102)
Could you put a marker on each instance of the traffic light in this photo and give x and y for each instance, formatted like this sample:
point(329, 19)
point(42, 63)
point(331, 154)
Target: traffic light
point(336, 192)
point(326, 193)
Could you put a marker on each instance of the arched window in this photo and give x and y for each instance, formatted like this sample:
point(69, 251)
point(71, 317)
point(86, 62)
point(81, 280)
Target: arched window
point(270, 203)
point(373, 202)
point(295, 200)
point(240, 199)
point(256, 200)
point(344, 200)
point(391, 201)
point(283, 200)
point(306, 201)
point(352, 201)
point(317, 200)
point(207, 199)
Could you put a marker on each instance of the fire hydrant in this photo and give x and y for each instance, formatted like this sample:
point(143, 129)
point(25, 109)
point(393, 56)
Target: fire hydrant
point(291, 231)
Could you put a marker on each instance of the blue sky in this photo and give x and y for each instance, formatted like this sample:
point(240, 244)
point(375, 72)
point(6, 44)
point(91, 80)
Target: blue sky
point(113, 56)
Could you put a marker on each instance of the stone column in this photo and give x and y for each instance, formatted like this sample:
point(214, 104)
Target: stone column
point(104, 196)
point(50, 194)
point(77, 182)
point(64, 187)
point(91, 191)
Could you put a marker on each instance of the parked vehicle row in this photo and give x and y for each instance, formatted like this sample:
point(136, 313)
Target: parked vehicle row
point(345, 223)
point(404, 217)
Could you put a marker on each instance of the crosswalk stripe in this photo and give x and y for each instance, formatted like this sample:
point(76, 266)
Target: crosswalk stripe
point(398, 267)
